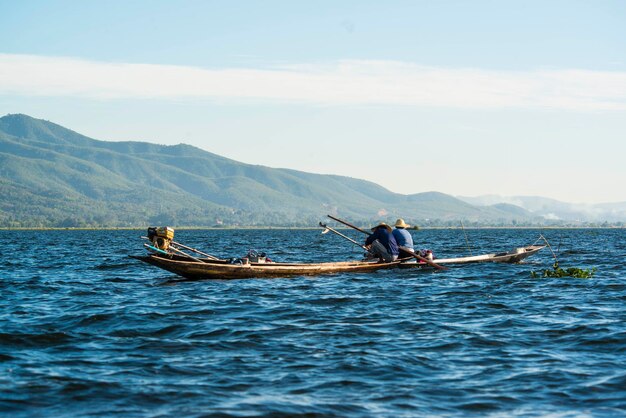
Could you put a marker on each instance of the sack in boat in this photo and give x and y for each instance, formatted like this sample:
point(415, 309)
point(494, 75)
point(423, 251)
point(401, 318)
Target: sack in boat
point(257, 257)
point(427, 254)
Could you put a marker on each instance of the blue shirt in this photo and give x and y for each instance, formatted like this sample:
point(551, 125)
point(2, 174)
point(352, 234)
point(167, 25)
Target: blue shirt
point(386, 238)
point(403, 237)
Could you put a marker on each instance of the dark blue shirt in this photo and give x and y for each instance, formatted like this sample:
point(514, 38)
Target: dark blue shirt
point(386, 238)
point(403, 238)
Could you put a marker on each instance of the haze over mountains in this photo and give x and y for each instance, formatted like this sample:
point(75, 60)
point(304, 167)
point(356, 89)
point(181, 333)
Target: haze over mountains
point(51, 176)
point(551, 209)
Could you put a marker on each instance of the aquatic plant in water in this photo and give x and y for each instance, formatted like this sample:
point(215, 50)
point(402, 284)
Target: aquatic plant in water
point(569, 272)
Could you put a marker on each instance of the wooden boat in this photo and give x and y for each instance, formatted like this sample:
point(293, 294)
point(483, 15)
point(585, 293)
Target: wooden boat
point(205, 268)
point(223, 269)
point(168, 254)
point(513, 256)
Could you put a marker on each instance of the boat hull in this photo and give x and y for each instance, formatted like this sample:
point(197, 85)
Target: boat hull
point(514, 256)
point(210, 269)
point(222, 269)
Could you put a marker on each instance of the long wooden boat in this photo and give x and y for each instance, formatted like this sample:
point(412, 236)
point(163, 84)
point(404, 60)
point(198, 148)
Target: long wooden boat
point(514, 256)
point(205, 268)
point(223, 269)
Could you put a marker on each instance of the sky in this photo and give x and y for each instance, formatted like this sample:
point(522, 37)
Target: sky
point(468, 98)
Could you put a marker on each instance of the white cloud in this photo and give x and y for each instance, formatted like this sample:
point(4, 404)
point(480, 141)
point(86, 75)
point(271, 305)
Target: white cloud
point(349, 82)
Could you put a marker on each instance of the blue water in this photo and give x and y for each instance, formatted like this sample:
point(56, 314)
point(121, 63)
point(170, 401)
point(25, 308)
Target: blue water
point(86, 331)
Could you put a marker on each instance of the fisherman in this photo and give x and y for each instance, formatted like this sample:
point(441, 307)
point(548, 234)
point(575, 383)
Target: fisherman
point(403, 238)
point(382, 244)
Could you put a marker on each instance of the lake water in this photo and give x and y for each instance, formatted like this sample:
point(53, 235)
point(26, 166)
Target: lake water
point(85, 331)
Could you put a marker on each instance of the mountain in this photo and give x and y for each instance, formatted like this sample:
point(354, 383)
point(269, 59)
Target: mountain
point(551, 209)
point(51, 176)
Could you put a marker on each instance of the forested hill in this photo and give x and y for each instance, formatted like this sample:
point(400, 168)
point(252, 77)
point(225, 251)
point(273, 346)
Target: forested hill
point(51, 176)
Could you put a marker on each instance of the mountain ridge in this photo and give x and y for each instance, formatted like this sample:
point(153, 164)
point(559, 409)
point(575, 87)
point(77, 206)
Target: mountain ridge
point(58, 177)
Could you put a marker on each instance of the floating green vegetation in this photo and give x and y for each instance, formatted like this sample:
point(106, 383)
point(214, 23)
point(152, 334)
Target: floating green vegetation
point(569, 272)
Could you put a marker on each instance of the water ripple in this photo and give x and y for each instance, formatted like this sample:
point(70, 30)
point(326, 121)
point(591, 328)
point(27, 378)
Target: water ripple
point(92, 333)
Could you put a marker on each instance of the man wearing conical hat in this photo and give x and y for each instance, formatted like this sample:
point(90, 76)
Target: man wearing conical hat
point(382, 244)
point(403, 238)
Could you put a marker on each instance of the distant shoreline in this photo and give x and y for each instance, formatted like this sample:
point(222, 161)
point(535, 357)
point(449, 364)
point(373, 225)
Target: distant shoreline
point(237, 228)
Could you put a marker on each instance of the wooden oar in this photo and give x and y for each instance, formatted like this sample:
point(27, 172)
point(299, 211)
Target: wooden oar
point(160, 251)
point(419, 257)
point(212, 257)
point(185, 254)
point(328, 228)
point(209, 256)
point(348, 224)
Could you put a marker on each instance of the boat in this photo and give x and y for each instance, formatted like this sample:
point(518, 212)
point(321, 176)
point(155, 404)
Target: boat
point(226, 269)
point(513, 256)
point(167, 254)
point(206, 268)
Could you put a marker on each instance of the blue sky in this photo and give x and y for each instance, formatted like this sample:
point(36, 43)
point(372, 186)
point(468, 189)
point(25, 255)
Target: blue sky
point(462, 97)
